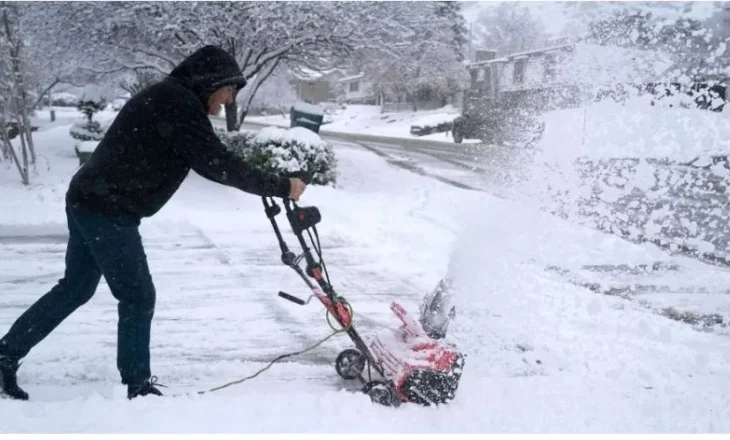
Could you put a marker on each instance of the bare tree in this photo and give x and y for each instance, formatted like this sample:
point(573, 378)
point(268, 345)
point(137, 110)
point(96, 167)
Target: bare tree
point(11, 46)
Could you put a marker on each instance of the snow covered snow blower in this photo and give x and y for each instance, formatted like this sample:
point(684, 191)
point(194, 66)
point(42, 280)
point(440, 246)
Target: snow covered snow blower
point(412, 364)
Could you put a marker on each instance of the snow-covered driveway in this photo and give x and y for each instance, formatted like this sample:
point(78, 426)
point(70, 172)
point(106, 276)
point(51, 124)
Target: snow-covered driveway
point(543, 354)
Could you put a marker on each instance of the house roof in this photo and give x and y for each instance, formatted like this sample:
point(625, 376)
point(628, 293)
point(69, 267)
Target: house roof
point(524, 54)
point(307, 74)
point(351, 78)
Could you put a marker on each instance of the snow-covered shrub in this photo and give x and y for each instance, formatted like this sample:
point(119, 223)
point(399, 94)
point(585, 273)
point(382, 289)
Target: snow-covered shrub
point(282, 151)
point(90, 106)
point(88, 130)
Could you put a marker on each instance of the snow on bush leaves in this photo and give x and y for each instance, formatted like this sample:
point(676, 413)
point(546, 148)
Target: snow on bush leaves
point(282, 151)
point(87, 131)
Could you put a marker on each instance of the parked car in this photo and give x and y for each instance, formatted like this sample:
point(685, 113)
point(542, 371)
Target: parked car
point(13, 129)
point(499, 127)
point(474, 126)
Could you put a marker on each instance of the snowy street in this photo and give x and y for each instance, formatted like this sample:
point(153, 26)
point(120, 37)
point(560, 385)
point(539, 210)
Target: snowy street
point(545, 352)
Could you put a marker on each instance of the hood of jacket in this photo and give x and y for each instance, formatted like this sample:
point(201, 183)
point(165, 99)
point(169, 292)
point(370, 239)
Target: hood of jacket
point(208, 69)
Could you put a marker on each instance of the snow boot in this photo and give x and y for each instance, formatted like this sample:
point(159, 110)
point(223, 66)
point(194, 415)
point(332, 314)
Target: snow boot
point(145, 388)
point(9, 379)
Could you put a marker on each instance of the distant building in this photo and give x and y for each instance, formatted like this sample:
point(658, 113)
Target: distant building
point(354, 89)
point(565, 71)
point(314, 87)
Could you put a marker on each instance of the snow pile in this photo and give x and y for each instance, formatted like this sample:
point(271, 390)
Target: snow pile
point(280, 150)
point(542, 347)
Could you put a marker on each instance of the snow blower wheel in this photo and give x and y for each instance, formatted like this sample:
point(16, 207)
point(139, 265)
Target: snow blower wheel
point(350, 364)
point(381, 393)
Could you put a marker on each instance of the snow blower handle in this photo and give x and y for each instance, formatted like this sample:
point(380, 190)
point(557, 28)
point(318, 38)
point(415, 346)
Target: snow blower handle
point(292, 298)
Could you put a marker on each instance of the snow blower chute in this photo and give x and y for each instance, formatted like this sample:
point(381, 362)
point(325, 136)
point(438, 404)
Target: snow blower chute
point(413, 364)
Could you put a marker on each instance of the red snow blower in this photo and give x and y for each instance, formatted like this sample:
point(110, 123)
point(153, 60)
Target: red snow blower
point(412, 364)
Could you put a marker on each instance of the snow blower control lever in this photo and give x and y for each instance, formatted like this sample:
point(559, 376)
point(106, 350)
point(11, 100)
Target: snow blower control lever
point(305, 219)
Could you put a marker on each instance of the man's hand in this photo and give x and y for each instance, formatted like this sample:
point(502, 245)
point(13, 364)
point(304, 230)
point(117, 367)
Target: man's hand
point(297, 188)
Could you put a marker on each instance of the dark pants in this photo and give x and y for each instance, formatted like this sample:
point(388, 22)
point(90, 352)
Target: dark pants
point(97, 246)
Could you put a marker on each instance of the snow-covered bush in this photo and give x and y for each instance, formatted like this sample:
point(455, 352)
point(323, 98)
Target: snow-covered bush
point(89, 106)
point(88, 130)
point(281, 151)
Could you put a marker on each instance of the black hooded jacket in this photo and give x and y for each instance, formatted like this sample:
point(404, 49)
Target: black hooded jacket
point(158, 136)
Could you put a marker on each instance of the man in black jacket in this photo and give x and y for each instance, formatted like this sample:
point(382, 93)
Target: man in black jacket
point(158, 137)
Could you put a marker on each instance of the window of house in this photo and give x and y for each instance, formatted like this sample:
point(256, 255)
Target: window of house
point(550, 63)
point(487, 76)
point(485, 87)
point(518, 72)
point(354, 86)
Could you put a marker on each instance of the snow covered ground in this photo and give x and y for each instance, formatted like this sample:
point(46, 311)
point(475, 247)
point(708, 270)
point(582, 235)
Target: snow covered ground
point(367, 119)
point(544, 353)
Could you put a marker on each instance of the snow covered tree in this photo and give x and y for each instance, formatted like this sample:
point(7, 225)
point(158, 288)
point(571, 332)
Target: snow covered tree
point(450, 12)
point(139, 80)
point(697, 53)
point(260, 35)
point(421, 54)
point(49, 59)
point(278, 92)
point(508, 28)
point(90, 106)
point(13, 88)
point(88, 130)
point(627, 28)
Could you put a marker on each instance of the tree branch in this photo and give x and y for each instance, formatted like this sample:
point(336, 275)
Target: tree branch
point(262, 60)
point(150, 53)
point(249, 52)
point(43, 93)
point(255, 87)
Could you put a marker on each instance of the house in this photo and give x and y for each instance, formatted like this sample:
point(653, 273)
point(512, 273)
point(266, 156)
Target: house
point(314, 87)
point(505, 93)
point(354, 89)
point(560, 74)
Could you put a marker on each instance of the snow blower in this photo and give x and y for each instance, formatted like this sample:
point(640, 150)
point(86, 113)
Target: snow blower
point(411, 364)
